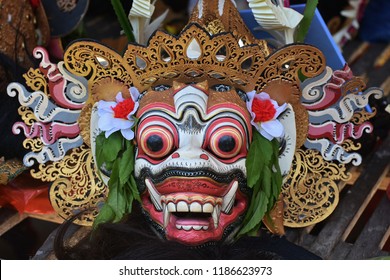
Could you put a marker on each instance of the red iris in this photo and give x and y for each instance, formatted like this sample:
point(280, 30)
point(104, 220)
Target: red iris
point(264, 110)
point(122, 109)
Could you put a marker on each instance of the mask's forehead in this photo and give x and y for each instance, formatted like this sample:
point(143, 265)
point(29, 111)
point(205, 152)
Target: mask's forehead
point(207, 101)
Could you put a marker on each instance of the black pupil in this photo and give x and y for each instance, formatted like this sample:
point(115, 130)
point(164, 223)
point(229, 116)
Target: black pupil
point(226, 143)
point(154, 143)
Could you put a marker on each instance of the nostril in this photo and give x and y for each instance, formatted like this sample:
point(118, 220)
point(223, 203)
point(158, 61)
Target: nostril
point(204, 156)
point(175, 155)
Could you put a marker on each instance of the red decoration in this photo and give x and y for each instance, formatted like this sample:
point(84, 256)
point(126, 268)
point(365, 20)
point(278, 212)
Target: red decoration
point(264, 110)
point(123, 109)
point(26, 195)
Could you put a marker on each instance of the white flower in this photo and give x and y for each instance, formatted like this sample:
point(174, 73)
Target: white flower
point(119, 115)
point(264, 112)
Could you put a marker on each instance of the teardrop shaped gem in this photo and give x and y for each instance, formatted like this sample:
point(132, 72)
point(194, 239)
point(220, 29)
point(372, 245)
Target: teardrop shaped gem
point(194, 50)
point(102, 61)
point(221, 54)
point(164, 54)
point(140, 62)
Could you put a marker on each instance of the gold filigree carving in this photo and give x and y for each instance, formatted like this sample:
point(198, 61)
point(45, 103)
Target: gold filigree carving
point(215, 27)
point(95, 61)
point(35, 144)
point(36, 80)
point(310, 191)
point(286, 64)
point(353, 86)
point(107, 89)
point(245, 67)
point(348, 145)
point(84, 123)
point(363, 116)
point(27, 115)
point(231, 22)
point(76, 185)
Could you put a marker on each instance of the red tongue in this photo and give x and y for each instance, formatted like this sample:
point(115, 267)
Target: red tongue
point(192, 222)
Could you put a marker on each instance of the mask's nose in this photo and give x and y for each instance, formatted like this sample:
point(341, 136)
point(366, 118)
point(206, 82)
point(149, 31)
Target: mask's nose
point(189, 152)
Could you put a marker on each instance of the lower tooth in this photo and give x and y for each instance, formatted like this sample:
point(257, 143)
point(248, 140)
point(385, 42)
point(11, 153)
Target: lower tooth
point(178, 227)
point(187, 228)
point(205, 227)
point(197, 227)
point(215, 215)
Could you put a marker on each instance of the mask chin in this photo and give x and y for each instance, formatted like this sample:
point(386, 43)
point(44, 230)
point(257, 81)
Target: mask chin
point(196, 216)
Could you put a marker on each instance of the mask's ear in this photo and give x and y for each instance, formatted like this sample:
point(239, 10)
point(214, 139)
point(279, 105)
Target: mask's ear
point(291, 64)
point(281, 76)
point(94, 131)
point(288, 141)
point(97, 62)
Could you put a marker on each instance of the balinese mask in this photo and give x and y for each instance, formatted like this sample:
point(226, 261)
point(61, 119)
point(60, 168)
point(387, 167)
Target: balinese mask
point(200, 128)
point(190, 164)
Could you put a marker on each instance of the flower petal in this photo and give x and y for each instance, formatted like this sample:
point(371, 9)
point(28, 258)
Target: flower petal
point(280, 109)
point(136, 105)
point(128, 133)
point(263, 96)
point(122, 123)
point(273, 127)
point(266, 135)
point(134, 93)
point(109, 132)
point(105, 106)
point(119, 97)
point(105, 122)
point(256, 125)
point(250, 96)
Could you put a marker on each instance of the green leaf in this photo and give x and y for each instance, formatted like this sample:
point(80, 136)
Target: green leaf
point(134, 189)
point(258, 214)
point(266, 183)
point(116, 197)
point(259, 154)
point(305, 23)
point(253, 203)
point(126, 165)
point(106, 214)
point(112, 146)
point(122, 187)
point(100, 140)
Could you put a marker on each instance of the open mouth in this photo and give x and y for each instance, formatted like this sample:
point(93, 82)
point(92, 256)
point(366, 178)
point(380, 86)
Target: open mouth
point(193, 210)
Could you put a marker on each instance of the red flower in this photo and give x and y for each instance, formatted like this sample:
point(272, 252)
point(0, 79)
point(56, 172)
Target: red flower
point(264, 110)
point(123, 109)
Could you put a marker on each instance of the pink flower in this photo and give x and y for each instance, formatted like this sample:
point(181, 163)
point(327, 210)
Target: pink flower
point(119, 115)
point(264, 112)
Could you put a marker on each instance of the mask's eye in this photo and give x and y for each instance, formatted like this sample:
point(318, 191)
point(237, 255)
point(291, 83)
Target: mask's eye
point(156, 142)
point(225, 142)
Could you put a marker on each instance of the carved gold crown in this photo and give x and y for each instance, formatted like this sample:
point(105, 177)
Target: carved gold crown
point(194, 56)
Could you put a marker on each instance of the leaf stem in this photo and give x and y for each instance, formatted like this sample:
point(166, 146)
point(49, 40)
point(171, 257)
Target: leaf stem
point(305, 23)
point(123, 20)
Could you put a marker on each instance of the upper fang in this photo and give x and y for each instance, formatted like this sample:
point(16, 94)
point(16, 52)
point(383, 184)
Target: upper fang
point(154, 195)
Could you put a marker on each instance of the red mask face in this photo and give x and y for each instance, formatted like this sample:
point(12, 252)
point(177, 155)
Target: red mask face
point(190, 164)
